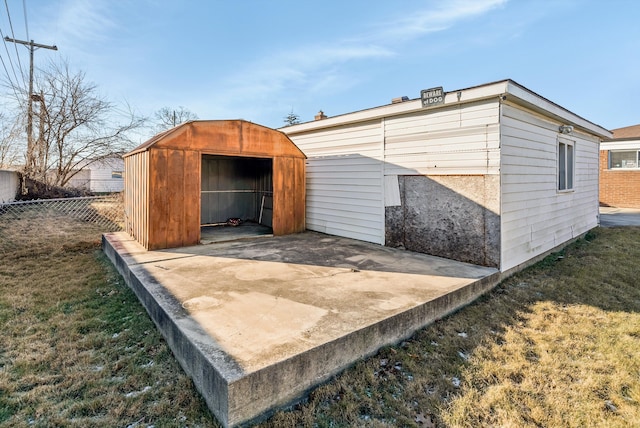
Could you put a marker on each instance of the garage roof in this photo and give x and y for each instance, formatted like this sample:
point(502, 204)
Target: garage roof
point(227, 137)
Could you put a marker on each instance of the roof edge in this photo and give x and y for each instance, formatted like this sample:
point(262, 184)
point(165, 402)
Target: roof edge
point(507, 87)
point(179, 128)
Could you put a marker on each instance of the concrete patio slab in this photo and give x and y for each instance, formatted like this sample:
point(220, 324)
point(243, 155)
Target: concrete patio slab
point(613, 217)
point(258, 323)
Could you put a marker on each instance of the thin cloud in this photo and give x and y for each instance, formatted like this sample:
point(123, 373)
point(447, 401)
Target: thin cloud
point(419, 23)
point(82, 23)
point(300, 68)
point(308, 69)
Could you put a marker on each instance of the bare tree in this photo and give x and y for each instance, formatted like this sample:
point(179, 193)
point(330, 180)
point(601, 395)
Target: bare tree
point(75, 126)
point(168, 117)
point(9, 133)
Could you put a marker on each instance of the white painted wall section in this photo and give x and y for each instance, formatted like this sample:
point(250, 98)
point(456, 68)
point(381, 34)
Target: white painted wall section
point(458, 140)
point(102, 176)
point(345, 181)
point(9, 186)
point(535, 216)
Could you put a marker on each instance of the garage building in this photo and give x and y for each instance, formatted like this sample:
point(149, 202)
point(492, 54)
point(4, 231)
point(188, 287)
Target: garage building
point(494, 175)
point(207, 172)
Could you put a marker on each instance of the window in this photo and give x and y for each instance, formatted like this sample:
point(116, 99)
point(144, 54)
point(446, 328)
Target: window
point(623, 159)
point(566, 162)
point(116, 174)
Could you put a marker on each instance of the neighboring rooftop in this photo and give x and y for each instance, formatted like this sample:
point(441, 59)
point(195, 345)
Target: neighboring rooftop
point(632, 131)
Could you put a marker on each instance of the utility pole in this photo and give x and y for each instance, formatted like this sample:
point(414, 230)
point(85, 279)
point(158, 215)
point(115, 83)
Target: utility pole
point(30, 164)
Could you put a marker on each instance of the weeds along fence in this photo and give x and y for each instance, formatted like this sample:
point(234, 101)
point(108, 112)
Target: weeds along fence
point(105, 212)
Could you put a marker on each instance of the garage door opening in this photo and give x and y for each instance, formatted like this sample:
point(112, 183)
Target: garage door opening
point(236, 198)
point(210, 171)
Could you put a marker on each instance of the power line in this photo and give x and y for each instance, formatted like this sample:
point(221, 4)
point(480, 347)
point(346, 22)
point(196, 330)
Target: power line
point(13, 34)
point(30, 163)
point(13, 87)
point(10, 63)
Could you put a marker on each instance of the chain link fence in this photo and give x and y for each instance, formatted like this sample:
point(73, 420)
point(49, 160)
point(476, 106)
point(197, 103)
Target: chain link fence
point(105, 212)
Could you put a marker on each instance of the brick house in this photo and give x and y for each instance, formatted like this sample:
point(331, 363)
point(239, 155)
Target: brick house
point(620, 169)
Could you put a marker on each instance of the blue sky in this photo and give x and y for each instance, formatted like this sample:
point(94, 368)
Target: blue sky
point(258, 60)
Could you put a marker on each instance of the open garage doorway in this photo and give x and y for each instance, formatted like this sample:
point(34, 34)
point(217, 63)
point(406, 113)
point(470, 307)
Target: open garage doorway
point(236, 199)
point(210, 171)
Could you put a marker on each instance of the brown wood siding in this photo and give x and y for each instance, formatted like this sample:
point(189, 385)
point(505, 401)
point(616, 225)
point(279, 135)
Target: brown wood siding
point(288, 195)
point(158, 207)
point(300, 177)
point(192, 188)
point(175, 199)
point(136, 178)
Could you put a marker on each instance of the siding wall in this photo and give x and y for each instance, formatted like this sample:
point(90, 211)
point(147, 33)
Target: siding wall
point(448, 164)
point(174, 198)
point(136, 197)
point(288, 195)
point(535, 216)
point(101, 181)
point(347, 164)
point(462, 139)
point(344, 181)
point(9, 186)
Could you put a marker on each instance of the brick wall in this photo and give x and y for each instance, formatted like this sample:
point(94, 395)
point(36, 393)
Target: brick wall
point(618, 188)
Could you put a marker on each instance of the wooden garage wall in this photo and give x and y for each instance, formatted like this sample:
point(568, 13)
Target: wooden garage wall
point(288, 195)
point(536, 217)
point(163, 179)
point(174, 198)
point(136, 194)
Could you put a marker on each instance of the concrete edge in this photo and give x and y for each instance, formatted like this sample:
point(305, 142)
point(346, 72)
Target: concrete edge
point(322, 363)
point(211, 384)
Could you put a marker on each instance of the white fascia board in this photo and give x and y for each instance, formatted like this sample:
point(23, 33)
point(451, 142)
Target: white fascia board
point(620, 145)
point(548, 108)
point(451, 98)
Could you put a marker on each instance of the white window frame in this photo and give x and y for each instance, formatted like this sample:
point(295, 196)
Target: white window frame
point(566, 173)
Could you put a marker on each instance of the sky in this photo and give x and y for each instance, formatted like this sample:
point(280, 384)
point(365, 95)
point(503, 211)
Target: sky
point(260, 60)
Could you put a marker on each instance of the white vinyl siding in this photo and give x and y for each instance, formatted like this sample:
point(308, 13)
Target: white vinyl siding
point(463, 139)
point(535, 217)
point(500, 130)
point(102, 179)
point(345, 181)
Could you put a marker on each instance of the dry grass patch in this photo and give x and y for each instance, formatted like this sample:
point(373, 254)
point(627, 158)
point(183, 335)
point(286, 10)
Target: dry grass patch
point(77, 349)
point(556, 345)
